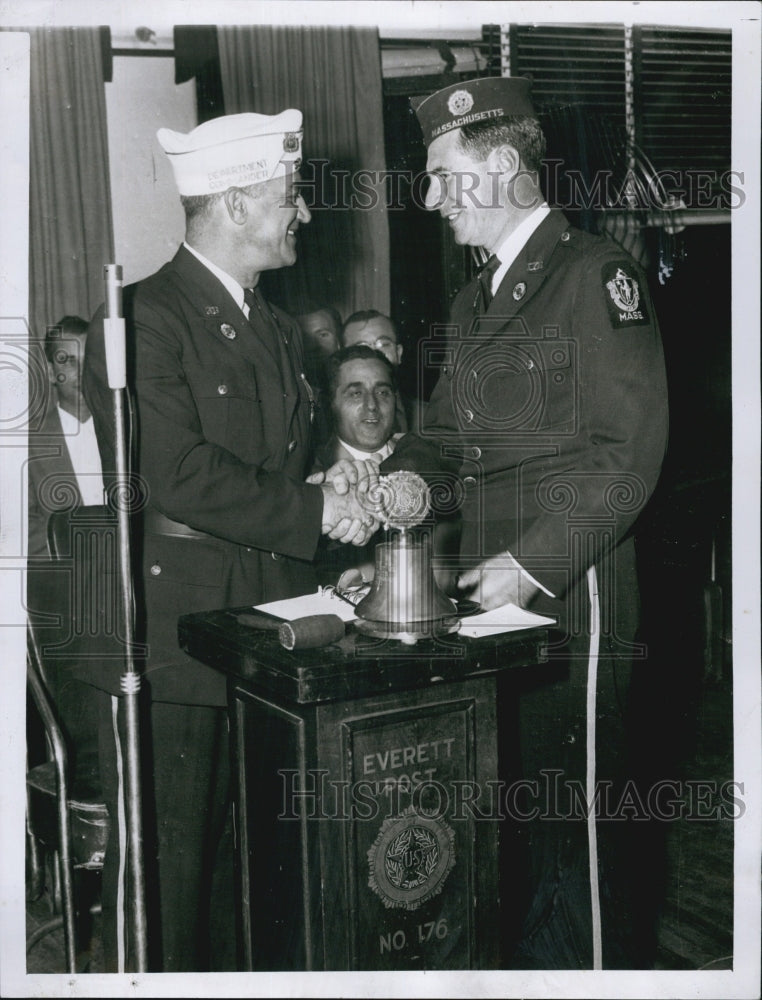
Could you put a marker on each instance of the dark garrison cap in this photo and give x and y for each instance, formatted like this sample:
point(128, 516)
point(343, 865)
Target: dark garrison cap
point(473, 101)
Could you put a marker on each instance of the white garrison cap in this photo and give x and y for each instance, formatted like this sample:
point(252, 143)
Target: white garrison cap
point(234, 151)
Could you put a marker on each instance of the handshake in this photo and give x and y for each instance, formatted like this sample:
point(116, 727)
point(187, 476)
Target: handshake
point(352, 508)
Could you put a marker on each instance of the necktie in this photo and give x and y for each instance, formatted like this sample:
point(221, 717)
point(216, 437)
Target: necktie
point(251, 301)
point(485, 282)
point(261, 319)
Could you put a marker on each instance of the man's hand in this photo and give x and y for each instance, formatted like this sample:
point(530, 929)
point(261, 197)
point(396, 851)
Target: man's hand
point(349, 517)
point(345, 475)
point(497, 581)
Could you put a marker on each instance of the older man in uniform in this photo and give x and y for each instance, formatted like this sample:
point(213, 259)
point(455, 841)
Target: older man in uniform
point(551, 408)
point(223, 419)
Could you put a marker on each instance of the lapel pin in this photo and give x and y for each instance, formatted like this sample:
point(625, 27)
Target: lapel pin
point(228, 331)
point(535, 265)
point(212, 310)
point(519, 291)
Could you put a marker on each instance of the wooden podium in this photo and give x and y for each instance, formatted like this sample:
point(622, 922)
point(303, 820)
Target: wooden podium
point(366, 795)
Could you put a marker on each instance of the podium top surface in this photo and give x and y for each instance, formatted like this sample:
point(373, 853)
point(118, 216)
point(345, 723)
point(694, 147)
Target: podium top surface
point(355, 666)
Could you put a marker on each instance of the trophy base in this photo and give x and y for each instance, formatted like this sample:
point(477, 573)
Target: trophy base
point(408, 632)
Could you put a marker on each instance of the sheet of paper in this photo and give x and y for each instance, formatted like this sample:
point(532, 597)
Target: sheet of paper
point(507, 618)
point(321, 603)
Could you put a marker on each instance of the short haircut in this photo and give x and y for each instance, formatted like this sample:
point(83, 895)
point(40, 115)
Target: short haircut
point(198, 207)
point(334, 314)
point(522, 132)
point(59, 331)
point(364, 316)
point(356, 352)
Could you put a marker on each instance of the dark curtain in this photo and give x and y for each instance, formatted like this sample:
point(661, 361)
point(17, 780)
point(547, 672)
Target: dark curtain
point(70, 227)
point(333, 75)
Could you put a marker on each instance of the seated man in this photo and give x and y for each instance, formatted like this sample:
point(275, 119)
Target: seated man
point(373, 328)
point(361, 389)
point(64, 472)
point(64, 463)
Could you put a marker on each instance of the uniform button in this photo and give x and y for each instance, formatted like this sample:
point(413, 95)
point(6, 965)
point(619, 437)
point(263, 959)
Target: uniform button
point(276, 555)
point(530, 364)
point(476, 453)
point(469, 415)
point(469, 481)
point(291, 445)
point(222, 389)
point(564, 237)
point(155, 569)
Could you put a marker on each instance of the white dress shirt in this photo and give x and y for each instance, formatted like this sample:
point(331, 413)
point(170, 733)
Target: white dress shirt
point(512, 245)
point(85, 457)
point(381, 453)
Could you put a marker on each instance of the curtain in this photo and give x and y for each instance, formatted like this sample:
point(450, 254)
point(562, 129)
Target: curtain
point(70, 228)
point(333, 75)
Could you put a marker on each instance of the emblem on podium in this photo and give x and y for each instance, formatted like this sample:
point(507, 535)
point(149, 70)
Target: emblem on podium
point(410, 859)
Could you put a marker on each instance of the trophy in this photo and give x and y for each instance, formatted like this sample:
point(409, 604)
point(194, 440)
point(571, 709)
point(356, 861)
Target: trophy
point(404, 601)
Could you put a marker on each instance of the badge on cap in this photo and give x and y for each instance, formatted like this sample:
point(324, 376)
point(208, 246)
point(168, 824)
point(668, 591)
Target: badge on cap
point(228, 331)
point(479, 100)
point(460, 102)
point(623, 295)
point(234, 151)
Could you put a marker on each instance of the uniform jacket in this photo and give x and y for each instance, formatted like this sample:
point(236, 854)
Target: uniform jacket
point(52, 480)
point(551, 408)
point(222, 420)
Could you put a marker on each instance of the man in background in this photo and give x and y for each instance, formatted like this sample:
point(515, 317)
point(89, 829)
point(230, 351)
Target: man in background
point(321, 330)
point(64, 462)
point(374, 329)
point(223, 420)
point(361, 393)
point(361, 386)
point(64, 473)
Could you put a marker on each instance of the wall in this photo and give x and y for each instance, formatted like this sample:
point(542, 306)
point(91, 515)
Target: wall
point(148, 217)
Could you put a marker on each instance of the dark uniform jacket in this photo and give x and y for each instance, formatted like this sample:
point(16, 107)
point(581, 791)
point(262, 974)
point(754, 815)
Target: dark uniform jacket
point(222, 422)
point(551, 408)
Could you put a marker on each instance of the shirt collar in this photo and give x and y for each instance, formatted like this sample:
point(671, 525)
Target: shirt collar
point(383, 452)
point(512, 245)
point(232, 286)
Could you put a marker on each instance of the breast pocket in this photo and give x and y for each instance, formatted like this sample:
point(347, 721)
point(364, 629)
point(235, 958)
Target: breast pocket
point(513, 386)
point(229, 407)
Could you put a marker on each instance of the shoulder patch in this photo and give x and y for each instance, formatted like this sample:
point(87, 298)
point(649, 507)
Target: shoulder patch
point(625, 298)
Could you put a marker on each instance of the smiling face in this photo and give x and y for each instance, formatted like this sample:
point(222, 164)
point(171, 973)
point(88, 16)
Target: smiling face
point(468, 193)
point(364, 404)
point(275, 212)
